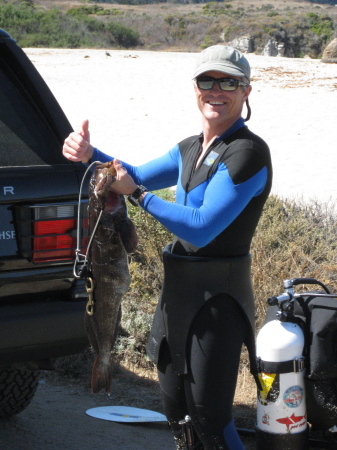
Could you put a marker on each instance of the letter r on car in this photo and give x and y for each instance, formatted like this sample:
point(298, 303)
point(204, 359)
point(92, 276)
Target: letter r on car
point(8, 190)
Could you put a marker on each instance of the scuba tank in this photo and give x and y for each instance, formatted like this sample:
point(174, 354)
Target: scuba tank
point(281, 404)
point(297, 369)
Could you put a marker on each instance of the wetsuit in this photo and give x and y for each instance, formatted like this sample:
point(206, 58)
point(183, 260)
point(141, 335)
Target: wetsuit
point(218, 205)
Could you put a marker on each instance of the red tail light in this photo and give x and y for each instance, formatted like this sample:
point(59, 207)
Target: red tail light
point(53, 232)
point(52, 241)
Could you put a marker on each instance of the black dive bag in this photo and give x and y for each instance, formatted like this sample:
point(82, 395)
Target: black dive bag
point(316, 312)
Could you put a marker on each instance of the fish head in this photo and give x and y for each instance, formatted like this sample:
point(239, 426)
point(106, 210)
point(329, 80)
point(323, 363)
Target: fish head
point(102, 196)
point(104, 177)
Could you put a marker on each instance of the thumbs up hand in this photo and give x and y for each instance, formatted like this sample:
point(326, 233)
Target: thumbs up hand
point(84, 132)
point(77, 146)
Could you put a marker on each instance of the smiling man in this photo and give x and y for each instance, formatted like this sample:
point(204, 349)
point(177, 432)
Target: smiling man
point(219, 73)
point(206, 310)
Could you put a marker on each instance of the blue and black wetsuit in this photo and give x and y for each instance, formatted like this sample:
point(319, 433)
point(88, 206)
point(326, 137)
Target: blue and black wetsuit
point(218, 204)
point(206, 310)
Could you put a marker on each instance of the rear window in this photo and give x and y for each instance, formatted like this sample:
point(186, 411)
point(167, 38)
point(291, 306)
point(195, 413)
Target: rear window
point(25, 136)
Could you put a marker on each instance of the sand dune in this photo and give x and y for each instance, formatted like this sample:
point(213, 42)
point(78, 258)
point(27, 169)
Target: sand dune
point(141, 103)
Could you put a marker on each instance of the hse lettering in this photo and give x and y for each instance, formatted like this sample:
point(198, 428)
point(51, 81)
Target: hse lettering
point(8, 190)
point(7, 235)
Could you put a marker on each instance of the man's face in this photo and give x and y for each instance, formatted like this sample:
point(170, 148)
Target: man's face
point(220, 107)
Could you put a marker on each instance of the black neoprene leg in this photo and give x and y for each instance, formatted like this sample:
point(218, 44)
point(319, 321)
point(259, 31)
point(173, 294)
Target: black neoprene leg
point(206, 393)
point(172, 391)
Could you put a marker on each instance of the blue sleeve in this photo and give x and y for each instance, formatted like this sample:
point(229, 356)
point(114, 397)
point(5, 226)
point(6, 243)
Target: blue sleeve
point(100, 156)
point(157, 174)
point(223, 202)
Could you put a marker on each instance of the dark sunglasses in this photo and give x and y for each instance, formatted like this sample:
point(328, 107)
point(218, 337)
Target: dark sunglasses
point(226, 84)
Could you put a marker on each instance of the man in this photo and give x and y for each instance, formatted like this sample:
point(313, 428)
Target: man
point(206, 310)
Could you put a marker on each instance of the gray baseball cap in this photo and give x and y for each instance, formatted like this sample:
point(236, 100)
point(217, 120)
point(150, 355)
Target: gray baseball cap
point(223, 59)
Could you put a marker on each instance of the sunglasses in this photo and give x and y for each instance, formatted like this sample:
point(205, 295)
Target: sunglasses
point(225, 84)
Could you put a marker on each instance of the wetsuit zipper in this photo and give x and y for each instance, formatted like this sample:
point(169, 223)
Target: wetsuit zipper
point(194, 168)
point(238, 124)
point(191, 175)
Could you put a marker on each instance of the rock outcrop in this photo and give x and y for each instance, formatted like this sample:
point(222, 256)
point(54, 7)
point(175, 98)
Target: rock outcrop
point(245, 44)
point(274, 48)
point(330, 52)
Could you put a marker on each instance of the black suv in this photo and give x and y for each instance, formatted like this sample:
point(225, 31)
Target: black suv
point(41, 303)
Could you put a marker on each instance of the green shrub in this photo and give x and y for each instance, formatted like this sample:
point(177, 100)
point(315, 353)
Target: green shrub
point(272, 14)
point(31, 27)
point(122, 35)
point(92, 10)
point(321, 25)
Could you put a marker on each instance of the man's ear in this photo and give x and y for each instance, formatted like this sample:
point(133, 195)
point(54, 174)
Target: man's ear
point(248, 90)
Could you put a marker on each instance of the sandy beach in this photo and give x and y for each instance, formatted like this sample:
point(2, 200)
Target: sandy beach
point(142, 103)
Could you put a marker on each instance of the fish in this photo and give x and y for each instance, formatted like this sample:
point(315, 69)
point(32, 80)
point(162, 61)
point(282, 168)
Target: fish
point(108, 277)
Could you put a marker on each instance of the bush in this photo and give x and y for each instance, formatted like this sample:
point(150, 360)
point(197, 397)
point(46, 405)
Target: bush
point(122, 35)
point(291, 240)
point(146, 270)
point(321, 25)
point(92, 10)
point(38, 28)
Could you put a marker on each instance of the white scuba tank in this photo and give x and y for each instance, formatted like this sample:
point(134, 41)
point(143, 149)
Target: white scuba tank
point(281, 404)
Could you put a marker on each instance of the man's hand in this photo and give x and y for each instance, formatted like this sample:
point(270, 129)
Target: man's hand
point(77, 146)
point(124, 183)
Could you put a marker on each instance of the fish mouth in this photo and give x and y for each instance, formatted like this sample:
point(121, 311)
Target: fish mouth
point(105, 176)
point(110, 201)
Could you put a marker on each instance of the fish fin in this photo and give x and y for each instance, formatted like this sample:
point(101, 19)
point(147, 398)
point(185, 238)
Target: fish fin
point(102, 372)
point(128, 235)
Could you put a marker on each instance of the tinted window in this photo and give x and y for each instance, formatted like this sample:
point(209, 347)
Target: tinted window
point(25, 137)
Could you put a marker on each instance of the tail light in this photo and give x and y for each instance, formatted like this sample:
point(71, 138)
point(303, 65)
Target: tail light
point(48, 232)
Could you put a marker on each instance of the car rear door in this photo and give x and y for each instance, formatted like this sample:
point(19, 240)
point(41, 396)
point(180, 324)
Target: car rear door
point(38, 186)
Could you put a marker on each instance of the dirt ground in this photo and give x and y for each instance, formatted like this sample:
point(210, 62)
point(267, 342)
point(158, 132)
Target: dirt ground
point(57, 419)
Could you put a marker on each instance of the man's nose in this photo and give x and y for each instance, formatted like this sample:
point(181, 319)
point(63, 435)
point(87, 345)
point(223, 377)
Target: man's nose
point(216, 87)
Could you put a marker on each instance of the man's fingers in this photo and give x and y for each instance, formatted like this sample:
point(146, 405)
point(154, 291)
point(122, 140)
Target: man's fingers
point(76, 141)
point(70, 153)
point(118, 165)
point(84, 132)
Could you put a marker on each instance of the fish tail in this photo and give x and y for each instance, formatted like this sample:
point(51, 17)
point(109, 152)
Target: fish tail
point(101, 375)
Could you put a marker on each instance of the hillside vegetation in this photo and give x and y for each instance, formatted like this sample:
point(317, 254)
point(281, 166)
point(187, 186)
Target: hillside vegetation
point(302, 27)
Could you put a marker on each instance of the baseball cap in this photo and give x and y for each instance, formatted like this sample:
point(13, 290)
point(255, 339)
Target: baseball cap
point(223, 59)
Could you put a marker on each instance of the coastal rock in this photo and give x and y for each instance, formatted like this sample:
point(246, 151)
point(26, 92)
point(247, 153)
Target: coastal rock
point(245, 44)
point(280, 49)
point(270, 48)
point(330, 52)
point(274, 48)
